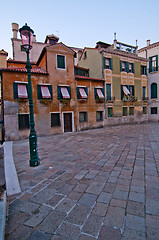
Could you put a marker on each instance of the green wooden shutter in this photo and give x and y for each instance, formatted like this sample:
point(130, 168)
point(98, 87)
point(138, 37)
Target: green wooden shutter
point(133, 68)
point(122, 94)
point(104, 63)
point(143, 92)
point(120, 66)
point(95, 93)
point(15, 90)
point(77, 89)
point(150, 64)
point(146, 70)
point(102, 89)
point(156, 62)
point(86, 90)
point(39, 92)
point(69, 91)
point(61, 61)
point(59, 95)
point(108, 91)
point(26, 120)
point(110, 63)
point(153, 90)
point(127, 67)
point(20, 121)
point(50, 90)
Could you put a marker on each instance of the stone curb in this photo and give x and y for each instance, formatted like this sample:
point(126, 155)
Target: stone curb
point(3, 216)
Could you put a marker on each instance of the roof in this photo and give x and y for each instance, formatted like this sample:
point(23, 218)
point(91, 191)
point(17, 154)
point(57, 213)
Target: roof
point(149, 47)
point(102, 44)
point(24, 70)
point(122, 53)
point(88, 78)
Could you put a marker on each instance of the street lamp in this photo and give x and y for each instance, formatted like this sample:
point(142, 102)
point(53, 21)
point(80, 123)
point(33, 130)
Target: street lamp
point(26, 35)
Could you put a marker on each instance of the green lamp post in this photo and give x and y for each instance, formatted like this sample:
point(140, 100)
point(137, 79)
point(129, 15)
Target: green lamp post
point(26, 35)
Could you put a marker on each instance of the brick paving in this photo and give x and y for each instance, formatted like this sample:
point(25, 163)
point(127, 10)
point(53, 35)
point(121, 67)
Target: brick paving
point(97, 184)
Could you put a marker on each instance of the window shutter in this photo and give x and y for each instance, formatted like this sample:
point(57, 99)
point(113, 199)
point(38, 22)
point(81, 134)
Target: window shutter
point(110, 63)
point(95, 93)
point(59, 96)
point(133, 68)
point(77, 92)
point(50, 90)
point(39, 92)
point(26, 119)
point(61, 61)
point(69, 91)
point(103, 91)
point(20, 121)
point(104, 63)
point(146, 70)
point(153, 90)
point(122, 92)
point(156, 62)
point(86, 90)
point(127, 67)
point(150, 64)
point(120, 66)
point(108, 91)
point(15, 90)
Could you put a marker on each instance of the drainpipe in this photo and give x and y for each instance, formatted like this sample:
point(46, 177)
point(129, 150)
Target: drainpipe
point(103, 83)
point(2, 109)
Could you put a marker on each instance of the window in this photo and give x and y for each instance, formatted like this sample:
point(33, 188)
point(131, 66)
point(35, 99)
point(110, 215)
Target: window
point(144, 110)
point(99, 93)
point(108, 91)
point(61, 62)
point(131, 111)
point(99, 116)
point(108, 64)
point(55, 120)
point(82, 93)
point(131, 67)
point(20, 90)
point(81, 72)
point(126, 67)
point(44, 91)
point(144, 93)
point(85, 55)
point(124, 111)
point(83, 116)
point(153, 110)
point(23, 121)
point(127, 91)
point(143, 70)
point(64, 92)
point(153, 63)
point(153, 90)
point(110, 112)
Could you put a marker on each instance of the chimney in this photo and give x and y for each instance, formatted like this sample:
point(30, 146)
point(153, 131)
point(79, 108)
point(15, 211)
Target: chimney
point(115, 40)
point(148, 43)
point(34, 38)
point(15, 28)
point(3, 58)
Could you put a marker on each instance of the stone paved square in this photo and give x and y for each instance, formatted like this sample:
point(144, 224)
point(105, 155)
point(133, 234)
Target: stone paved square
point(98, 184)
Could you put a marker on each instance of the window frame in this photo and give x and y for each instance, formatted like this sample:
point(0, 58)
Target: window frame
point(126, 112)
point(78, 92)
point(15, 90)
point(131, 113)
point(155, 112)
point(59, 94)
point(110, 115)
point(39, 93)
point(26, 122)
point(57, 125)
point(60, 68)
point(85, 116)
point(153, 87)
point(100, 116)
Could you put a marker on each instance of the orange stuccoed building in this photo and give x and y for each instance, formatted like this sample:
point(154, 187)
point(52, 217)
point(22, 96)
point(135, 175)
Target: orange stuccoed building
point(65, 98)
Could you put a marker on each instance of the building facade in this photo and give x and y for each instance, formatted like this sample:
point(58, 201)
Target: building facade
point(151, 52)
point(125, 85)
point(64, 100)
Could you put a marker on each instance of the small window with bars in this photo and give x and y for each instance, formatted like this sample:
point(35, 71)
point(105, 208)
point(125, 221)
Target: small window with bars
point(23, 121)
point(83, 117)
point(99, 116)
point(55, 120)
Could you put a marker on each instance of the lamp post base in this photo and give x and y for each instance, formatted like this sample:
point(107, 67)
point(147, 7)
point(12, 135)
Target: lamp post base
point(34, 159)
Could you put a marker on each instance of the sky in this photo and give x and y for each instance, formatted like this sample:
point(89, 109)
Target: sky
point(82, 23)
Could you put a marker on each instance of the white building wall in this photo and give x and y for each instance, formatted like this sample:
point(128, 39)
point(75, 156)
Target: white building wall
point(153, 77)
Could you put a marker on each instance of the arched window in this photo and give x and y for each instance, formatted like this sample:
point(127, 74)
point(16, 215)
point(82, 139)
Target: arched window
point(153, 90)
